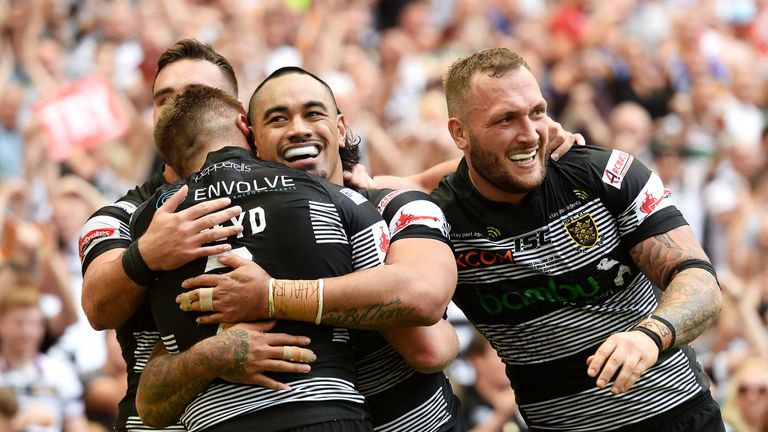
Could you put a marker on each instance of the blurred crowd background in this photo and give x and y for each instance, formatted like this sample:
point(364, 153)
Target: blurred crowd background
point(681, 84)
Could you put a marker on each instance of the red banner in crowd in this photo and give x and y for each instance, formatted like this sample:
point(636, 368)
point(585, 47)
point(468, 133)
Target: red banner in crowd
point(81, 115)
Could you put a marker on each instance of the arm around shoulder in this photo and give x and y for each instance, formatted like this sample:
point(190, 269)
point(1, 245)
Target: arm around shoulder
point(412, 289)
point(109, 296)
point(427, 349)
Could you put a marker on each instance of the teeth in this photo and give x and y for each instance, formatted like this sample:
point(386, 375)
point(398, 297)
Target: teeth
point(521, 156)
point(295, 152)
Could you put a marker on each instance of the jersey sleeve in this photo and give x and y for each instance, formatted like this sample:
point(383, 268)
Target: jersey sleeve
point(636, 196)
point(108, 227)
point(410, 213)
point(367, 232)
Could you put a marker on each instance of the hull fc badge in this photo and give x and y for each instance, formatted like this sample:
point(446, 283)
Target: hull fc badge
point(583, 231)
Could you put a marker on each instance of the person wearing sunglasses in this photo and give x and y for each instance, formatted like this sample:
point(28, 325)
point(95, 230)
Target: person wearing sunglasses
point(745, 408)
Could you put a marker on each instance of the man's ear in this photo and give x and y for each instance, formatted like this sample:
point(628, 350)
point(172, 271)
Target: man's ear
point(342, 128)
point(459, 133)
point(169, 173)
point(242, 124)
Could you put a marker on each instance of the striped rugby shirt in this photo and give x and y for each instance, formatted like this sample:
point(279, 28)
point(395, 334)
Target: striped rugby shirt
point(107, 229)
point(548, 280)
point(295, 226)
point(399, 398)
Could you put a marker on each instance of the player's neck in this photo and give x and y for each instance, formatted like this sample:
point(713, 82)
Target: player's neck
point(490, 192)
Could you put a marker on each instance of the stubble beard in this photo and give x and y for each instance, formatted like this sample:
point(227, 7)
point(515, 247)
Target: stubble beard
point(495, 171)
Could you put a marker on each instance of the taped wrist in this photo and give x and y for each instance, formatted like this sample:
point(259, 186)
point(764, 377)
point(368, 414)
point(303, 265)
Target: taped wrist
point(297, 300)
point(692, 263)
point(651, 334)
point(136, 268)
point(669, 326)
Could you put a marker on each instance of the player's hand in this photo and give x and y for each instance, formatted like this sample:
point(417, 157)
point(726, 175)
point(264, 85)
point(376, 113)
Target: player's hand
point(243, 352)
point(561, 141)
point(628, 353)
point(359, 178)
point(238, 296)
point(174, 239)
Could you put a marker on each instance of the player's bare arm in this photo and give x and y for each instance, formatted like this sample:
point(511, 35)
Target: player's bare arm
point(690, 302)
point(692, 298)
point(240, 354)
point(427, 349)
point(396, 295)
point(110, 297)
point(560, 142)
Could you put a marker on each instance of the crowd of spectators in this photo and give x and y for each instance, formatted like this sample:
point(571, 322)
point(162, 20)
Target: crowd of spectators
point(681, 84)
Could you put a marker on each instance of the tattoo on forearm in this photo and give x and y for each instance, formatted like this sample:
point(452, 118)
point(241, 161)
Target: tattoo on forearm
point(165, 399)
point(692, 299)
point(240, 355)
point(370, 316)
point(689, 304)
point(663, 252)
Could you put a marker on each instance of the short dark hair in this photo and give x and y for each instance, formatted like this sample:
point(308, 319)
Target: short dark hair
point(494, 61)
point(191, 120)
point(192, 49)
point(350, 153)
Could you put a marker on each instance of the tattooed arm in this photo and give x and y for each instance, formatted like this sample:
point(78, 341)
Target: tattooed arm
point(241, 354)
point(692, 299)
point(406, 292)
point(690, 302)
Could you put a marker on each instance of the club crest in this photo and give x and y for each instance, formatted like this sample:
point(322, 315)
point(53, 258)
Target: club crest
point(583, 231)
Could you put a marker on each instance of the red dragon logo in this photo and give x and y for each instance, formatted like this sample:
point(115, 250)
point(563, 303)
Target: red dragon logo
point(407, 219)
point(384, 241)
point(650, 202)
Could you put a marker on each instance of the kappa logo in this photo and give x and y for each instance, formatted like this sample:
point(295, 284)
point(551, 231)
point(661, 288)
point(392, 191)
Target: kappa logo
point(616, 168)
point(583, 231)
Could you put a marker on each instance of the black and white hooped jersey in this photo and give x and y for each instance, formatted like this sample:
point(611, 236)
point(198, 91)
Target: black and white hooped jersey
point(399, 398)
point(548, 280)
point(107, 229)
point(295, 226)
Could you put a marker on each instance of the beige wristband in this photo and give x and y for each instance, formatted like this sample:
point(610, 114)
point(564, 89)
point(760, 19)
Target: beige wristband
point(297, 300)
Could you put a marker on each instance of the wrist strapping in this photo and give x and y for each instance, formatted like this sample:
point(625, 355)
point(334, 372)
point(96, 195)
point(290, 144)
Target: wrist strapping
point(669, 326)
point(320, 288)
point(297, 300)
point(651, 334)
point(271, 299)
point(136, 268)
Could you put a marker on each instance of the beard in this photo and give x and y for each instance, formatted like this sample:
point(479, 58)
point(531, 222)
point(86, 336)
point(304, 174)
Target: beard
point(319, 172)
point(498, 171)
